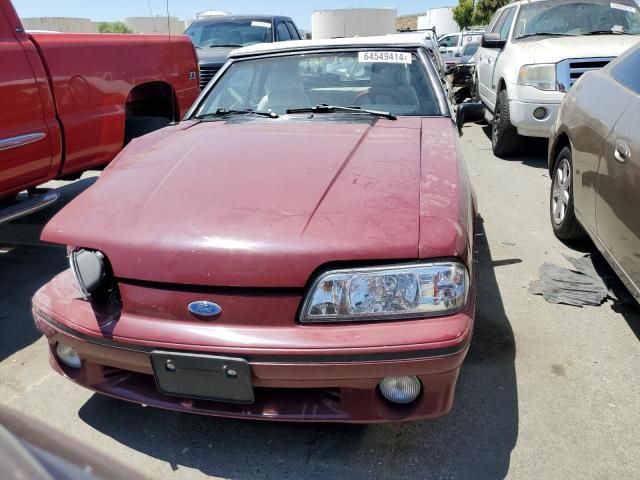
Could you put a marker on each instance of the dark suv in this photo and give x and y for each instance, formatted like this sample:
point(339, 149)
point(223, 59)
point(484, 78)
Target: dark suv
point(215, 37)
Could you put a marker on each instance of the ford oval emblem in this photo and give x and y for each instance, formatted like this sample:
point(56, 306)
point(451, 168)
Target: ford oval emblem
point(203, 308)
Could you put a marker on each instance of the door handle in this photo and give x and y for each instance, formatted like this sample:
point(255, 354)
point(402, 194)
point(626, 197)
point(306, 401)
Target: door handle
point(622, 152)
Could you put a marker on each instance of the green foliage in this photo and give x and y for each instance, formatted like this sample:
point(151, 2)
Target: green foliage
point(113, 27)
point(485, 9)
point(463, 14)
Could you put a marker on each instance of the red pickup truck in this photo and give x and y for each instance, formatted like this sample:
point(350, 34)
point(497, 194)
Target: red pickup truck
point(70, 102)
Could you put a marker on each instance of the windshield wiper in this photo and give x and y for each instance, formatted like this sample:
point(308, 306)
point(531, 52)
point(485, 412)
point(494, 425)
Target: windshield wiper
point(609, 32)
point(223, 112)
point(225, 45)
point(324, 108)
point(545, 34)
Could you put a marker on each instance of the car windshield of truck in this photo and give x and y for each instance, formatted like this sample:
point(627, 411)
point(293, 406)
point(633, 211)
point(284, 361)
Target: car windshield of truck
point(470, 49)
point(577, 17)
point(387, 81)
point(229, 33)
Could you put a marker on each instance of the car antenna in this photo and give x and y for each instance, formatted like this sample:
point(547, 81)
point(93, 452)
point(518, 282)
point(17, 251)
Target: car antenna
point(171, 66)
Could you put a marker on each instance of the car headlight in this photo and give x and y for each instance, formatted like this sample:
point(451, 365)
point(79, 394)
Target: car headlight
point(542, 77)
point(89, 270)
point(385, 293)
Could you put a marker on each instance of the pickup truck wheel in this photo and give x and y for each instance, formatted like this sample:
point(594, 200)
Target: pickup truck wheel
point(563, 218)
point(137, 126)
point(504, 136)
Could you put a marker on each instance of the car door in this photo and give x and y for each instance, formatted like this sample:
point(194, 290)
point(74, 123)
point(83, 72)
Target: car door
point(282, 32)
point(293, 31)
point(447, 45)
point(488, 57)
point(25, 150)
point(618, 183)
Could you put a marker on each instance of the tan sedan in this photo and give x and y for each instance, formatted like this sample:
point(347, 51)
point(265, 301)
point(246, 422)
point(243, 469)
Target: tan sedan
point(594, 161)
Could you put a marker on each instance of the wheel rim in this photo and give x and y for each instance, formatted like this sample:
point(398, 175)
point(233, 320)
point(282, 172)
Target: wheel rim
point(561, 191)
point(496, 122)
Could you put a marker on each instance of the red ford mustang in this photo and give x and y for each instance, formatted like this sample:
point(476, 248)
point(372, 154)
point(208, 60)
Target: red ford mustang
point(298, 248)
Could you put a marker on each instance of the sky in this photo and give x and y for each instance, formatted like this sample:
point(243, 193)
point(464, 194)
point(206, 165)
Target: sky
point(300, 11)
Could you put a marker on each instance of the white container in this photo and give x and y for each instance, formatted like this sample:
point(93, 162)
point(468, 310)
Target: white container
point(441, 19)
point(353, 22)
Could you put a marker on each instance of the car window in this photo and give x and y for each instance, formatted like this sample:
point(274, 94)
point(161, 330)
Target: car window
point(448, 41)
point(493, 21)
point(498, 25)
point(229, 33)
point(628, 72)
point(282, 32)
point(302, 81)
point(506, 25)
point(293, 31)
point(470, 49)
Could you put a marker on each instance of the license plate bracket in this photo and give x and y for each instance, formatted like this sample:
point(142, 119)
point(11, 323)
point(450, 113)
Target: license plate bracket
point(206, 377)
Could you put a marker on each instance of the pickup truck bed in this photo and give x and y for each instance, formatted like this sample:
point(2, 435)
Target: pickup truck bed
point(70, 102)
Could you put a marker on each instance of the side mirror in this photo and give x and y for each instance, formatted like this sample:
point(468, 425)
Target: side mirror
point(469, 113)
point(442, 49)
point(493, 40)
point(458, 54)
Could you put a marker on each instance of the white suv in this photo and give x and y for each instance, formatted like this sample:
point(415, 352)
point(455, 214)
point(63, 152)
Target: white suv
point(533, 51)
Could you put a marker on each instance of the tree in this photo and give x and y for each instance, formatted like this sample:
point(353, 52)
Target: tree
point(463, 13)
point(113, 27)
point(485, 9)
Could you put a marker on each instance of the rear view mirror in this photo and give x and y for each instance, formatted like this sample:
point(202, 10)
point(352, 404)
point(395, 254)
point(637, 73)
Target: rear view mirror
point(493, 40)
point(469, 113)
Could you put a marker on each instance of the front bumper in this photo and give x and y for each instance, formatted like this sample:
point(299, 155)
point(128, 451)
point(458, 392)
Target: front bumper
point(522, 118)
point(311, 385)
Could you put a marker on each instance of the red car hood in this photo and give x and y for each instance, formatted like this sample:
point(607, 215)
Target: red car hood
point(252, 203)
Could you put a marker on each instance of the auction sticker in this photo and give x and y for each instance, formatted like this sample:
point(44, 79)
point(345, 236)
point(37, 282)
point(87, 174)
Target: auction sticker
point(626, 8)
point(384, 57)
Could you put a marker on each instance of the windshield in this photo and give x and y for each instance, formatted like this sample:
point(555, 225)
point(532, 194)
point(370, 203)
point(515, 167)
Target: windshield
point(394, 82)
point(577, 17)
point(471, 49)
point(229, 33)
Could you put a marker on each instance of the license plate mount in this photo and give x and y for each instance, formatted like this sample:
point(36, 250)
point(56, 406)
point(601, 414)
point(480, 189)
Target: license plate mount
point(205, 377)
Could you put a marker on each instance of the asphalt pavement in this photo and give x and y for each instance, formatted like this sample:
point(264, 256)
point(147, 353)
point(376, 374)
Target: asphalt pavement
point(547, 391)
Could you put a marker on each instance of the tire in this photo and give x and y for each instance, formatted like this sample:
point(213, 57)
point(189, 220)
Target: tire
point(504, 136)
point(562, 214)
point(138, 126)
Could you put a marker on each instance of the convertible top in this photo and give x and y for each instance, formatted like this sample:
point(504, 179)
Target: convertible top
point(405, 40)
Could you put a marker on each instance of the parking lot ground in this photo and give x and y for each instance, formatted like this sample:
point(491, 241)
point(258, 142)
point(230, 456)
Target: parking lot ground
point(547, 391)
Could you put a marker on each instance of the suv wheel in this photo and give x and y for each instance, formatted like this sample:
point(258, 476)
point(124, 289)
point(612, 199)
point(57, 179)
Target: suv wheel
point(504, 136)
point(563, 218)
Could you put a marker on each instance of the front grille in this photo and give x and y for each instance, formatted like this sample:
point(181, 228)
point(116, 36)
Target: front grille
point(207, 72)
point(569, 71)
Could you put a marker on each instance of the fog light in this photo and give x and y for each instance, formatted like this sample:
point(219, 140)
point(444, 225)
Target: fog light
point(68, 356)
point(400, 389)
point(540, 113)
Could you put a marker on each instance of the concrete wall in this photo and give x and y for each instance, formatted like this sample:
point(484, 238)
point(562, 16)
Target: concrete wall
point(157, 24)
point(407, 22)
point(60, 24)
point(353, 22)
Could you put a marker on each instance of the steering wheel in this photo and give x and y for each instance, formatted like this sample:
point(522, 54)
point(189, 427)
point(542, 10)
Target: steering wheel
point(359, 100)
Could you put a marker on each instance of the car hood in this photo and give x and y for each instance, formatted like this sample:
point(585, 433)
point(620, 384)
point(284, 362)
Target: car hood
point(255, 202)
point(556, 49)
point(214, 55)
